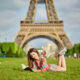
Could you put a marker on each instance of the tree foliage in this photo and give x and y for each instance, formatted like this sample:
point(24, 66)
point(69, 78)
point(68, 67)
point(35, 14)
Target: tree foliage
point(75, 49)
point(11, 49)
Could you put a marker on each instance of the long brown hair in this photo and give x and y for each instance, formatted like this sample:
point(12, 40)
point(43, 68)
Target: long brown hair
point(30, 59)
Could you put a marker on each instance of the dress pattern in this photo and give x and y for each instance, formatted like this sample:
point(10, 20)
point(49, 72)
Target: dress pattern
point(37, 66)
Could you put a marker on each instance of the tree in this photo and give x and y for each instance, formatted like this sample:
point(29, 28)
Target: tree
point(0, 49)
point(79, 48)
point(9, 53)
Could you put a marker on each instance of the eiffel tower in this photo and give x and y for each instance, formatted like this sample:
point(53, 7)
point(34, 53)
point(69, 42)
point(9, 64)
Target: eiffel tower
point(53, 29)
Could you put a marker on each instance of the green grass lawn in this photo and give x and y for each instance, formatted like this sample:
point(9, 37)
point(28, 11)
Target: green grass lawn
point(10, 69)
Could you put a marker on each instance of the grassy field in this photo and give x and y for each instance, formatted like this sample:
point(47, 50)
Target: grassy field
point(10, 69)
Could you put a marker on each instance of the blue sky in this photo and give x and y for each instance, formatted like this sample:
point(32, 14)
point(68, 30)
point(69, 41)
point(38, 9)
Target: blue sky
point(13, 11)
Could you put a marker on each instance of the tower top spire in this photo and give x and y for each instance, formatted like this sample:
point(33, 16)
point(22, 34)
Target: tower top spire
point(50, 9)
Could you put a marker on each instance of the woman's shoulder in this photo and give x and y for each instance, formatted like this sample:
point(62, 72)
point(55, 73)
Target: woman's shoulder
point(43, 58)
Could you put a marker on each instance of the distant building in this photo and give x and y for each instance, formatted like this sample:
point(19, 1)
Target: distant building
point(50, 49)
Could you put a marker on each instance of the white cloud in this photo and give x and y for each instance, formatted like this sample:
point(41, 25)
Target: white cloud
point(10, 13)
point(69, 11)
point(12, 4)
point(10, 17)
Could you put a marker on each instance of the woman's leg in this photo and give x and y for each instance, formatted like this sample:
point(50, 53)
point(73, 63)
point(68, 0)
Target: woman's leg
point(61, 64)
point(59, 61)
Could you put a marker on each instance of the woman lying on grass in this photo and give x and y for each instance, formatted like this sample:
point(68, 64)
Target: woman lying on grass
point(38, 63)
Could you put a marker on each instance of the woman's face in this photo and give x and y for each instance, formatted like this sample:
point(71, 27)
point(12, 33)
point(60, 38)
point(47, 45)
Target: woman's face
point(34, 55)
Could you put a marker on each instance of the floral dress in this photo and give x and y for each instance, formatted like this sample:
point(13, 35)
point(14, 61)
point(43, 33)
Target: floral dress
point(42, 66)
